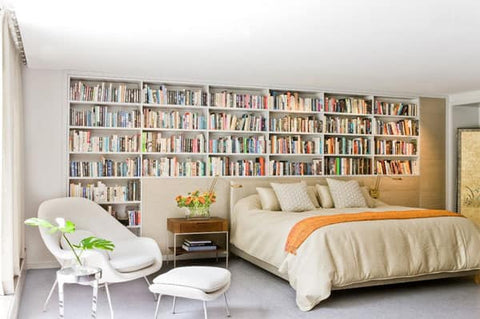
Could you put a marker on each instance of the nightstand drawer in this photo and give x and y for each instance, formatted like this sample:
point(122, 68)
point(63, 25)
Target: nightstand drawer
point(181, 225)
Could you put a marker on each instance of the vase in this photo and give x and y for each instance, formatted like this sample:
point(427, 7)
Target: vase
point(200, 212)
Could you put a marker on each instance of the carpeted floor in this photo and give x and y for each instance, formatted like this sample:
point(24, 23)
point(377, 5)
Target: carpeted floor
point(255, 293)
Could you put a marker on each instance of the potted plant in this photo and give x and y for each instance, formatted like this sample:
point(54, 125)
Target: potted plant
point(68, 227)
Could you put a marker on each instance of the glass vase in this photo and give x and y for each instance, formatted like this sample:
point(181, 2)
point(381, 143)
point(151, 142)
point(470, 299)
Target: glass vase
point(200, 212)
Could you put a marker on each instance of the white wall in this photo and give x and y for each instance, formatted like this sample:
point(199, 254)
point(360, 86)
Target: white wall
point(44, 151)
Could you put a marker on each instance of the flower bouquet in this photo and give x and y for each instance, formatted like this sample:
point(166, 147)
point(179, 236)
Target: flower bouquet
point(198, 203)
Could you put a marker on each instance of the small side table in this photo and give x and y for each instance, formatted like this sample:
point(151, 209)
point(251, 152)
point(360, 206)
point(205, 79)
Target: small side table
point(78, 275)
point(183, 226)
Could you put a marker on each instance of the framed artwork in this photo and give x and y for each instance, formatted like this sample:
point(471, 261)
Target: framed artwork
point(468, 175)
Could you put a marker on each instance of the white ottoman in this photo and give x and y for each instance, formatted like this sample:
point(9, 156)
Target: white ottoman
point(201, 283)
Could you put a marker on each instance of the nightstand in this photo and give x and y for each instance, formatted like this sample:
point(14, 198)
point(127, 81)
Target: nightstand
point(186, 227)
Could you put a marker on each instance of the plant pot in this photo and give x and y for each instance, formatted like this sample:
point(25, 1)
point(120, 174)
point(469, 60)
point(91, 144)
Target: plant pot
point(200, 212)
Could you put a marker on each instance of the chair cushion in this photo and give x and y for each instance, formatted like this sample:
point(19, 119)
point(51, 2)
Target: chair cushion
point(207, 279)
point(129, 255)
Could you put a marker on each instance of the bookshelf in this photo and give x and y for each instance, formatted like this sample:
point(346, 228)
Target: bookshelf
point(121, 132)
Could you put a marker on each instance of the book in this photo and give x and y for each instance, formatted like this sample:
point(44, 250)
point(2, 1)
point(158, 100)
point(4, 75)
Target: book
point(199, 248)
point(197, 242)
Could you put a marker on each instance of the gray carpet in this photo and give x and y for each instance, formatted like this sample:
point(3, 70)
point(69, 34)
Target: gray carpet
point(255, 293)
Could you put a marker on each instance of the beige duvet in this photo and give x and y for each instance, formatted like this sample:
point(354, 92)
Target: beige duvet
point(344, 254)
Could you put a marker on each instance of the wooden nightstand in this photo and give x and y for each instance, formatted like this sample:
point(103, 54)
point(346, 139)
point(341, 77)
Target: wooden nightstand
point(185, 227)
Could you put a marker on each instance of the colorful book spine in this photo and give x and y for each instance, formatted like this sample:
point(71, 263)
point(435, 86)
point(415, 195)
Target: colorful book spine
point(396, 109)
point(104, 92)
point(402, 127)
point(231, 122)
point(225, 166)
point(395, 147)
point(163, 143)
point(84, 141)
point(239, 100)
point(347, 166)
point(347, 145)
point(239, 145)
point(130, 167)
point(102, 116)
point(295, 145)
point(348, 105)
point(347, 125)
point(396, 167)
point(184, 120)
point(171, 96)
point(173, 167)
point(100, 192)
point(289, 168)
point(296, 124)
point(293, 101)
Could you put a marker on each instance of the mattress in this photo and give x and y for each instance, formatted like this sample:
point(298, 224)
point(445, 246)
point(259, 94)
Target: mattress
point(349, 254)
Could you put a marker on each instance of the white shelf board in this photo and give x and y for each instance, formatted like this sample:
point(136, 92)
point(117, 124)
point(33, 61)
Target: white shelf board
point(104, 178)
point(104, 103)
point(101, 128)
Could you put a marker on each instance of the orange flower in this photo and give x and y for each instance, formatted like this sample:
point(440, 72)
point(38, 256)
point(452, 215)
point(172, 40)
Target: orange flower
point(178, 198)
point(188, 201)
point(201, 200)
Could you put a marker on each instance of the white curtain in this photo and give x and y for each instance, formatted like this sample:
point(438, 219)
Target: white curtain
point(11, 166)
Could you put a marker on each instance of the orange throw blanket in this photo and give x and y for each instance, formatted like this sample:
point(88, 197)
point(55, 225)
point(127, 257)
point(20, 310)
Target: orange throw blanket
point(300, 232)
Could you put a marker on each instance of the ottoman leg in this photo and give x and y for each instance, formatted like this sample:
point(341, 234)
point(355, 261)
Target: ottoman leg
point(205, 309)
point(226, 304)
point(158, 305)
point(173, 306)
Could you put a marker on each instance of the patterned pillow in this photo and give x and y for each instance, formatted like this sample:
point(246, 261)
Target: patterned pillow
point(346, 194)
point(312, 193)
point(293, 197)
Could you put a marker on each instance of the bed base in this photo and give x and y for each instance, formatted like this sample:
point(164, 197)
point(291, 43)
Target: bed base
point(274, 270)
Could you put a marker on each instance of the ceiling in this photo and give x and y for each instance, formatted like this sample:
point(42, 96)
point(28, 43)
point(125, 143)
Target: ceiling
point(426, 47)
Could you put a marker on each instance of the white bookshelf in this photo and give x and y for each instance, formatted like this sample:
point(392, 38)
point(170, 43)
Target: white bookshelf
point(199, 100)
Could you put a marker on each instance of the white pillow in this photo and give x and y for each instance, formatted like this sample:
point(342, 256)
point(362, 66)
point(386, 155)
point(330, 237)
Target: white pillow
point(312, 193)
point(326, 200)
point(346, 194)
point(293, 197)
point(268, 198)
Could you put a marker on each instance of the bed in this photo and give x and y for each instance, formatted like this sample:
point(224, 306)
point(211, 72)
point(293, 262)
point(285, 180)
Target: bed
point(350, 255)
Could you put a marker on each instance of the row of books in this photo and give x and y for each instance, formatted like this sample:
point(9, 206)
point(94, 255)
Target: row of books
point(198, 245)
point(100, 192)
point(296, 124)
point(394, 147)
point(403, 109)
point(174, 120)
point(238, 144)
point(292, 101)
point(173, 167)
point(102, 116)
point(83, 141)
point(225, 166)
point(342, 125)
point(402, 127)
point(183, 96)
point(239, 100)
point(104, 92)
point(348, 105)
point(158, 142)
point(295, 145)
point(396, 167)
point(227, 121)
point(347, 166)
point(347, 146)
point(130, 167)
point(288, 168)
point(134, 217)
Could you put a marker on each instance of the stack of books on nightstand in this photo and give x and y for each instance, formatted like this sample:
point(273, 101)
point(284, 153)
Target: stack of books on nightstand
point(198, 245)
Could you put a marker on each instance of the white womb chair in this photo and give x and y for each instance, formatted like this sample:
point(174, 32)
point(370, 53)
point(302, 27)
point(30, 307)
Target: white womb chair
point(133, 257)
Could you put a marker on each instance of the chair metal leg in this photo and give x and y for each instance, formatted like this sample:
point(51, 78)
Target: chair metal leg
point(49, 295)
point(158, 305)
point(148, 283)
point(173, 306)
point(109, 300)
point(226, 304)
point(205, 309)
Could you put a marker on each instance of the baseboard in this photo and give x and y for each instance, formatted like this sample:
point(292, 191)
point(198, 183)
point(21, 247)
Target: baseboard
point(43, 265)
